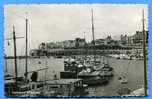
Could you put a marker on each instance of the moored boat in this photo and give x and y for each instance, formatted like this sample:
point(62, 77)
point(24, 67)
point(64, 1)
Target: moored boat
point(64, 87)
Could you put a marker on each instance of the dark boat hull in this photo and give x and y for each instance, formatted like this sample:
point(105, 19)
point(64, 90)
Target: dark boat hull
point(96, 80)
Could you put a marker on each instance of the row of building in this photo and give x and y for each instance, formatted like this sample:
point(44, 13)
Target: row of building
point(134, 40)
point(125, 40)
point(78, 42)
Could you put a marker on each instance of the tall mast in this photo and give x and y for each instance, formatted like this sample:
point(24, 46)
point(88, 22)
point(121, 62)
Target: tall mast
point(26, 49)
point(84, 35)
point(94, 51)
point(144, 53)
point(85, 48)
point(15, 57)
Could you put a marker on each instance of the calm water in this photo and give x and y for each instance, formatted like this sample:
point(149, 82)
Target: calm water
point(134, 69)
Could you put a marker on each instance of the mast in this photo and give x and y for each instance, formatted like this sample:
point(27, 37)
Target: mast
point(5, 63)
point(144, 53)
point(46, 66)
point(26, 49)
point(84, 39)
point(94, 51)
point(15, 57)
point(85, 47)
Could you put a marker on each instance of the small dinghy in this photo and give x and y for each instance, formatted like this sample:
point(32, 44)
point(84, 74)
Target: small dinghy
point(123, 80)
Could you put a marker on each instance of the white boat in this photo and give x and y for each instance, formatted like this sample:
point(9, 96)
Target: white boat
point(137, 92)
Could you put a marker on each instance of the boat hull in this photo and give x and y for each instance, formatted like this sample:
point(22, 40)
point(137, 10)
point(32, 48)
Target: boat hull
point(96, 80)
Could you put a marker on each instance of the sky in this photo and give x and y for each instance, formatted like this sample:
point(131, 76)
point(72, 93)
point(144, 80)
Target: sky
point(59, 22)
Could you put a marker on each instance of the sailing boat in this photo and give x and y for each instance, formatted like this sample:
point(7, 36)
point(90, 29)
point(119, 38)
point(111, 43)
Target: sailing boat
point(27, 86)
point(11, 82)
point(20, 86)
point(7, 75)
point(91, 75)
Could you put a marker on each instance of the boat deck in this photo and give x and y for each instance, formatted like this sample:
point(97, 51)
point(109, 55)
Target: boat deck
point(63, 81)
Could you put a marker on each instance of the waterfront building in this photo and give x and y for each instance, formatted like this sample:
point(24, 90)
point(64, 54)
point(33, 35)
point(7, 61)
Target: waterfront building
point(123, 39)
point(108, 40)
point(138, 37)
point(79, 42)
point(134, 40)
point(68, 44)
point(130, 40)
point(100, 42)
point(51, 45)
point(59, 45)
point(55, 45)
point(42, 46)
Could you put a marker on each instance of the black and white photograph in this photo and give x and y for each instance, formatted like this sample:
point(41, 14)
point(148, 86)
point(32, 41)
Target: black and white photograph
point(75, 50)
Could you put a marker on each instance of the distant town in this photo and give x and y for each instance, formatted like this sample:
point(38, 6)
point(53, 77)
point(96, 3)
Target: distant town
point(80, 46)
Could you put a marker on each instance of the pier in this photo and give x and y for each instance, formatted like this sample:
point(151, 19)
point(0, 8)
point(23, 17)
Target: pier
point(101, 50)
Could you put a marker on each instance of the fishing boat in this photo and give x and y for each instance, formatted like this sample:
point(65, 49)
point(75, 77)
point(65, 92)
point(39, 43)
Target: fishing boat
point(92, 77)
point(64, 88)
point(20, 85)
point(73, 64)
point(96, 73)
point(12, 82)
point(88, 68)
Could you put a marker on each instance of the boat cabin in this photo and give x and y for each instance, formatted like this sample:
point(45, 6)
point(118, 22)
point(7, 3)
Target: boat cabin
point(64, 87)
point(9, 87)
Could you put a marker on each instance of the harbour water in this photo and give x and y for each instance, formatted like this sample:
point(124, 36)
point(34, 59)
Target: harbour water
point(133, 68)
